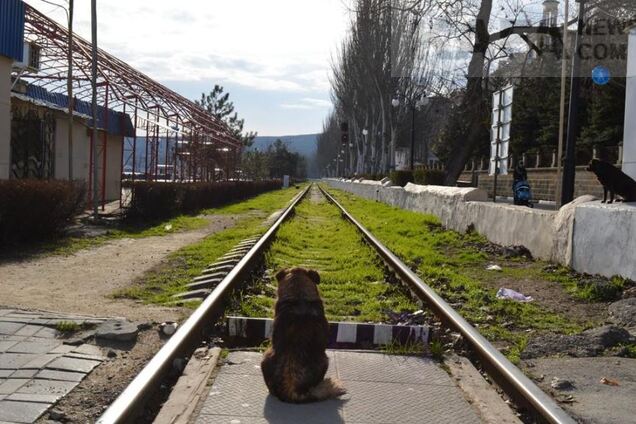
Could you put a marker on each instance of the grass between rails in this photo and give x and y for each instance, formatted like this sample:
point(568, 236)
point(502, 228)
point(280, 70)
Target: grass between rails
point(352, 283)
point(445, 262)
point(159, 284)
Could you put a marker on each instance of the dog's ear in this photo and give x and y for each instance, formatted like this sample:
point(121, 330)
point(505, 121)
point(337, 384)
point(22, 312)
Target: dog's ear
point(281, 274)
point(314, 276)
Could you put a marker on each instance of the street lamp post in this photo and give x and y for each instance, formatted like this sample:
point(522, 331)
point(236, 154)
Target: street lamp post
point(569, 167)
point(365, 133)
point(413, 104)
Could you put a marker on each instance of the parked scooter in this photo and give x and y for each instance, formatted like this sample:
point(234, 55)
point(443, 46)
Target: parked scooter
point(522, 194)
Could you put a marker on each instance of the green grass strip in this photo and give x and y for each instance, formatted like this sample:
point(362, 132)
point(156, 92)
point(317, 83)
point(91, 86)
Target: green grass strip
point(352, 279)
point(446, 262)
point(66, 246)
point(69, 245)
point(159, 284)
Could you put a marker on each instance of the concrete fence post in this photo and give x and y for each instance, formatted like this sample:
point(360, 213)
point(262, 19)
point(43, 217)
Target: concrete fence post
point(554, 158)
point(594, 152)
point(524, 159)
point(620, 153)
point(538, 159)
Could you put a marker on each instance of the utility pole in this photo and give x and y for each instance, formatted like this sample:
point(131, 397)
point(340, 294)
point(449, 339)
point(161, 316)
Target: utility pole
point(71, 103)
point(564, 77)
point(569, 167)
point(94, 106)
point(413, 109)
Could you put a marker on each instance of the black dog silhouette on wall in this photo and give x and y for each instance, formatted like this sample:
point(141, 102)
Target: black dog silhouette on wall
point(613, 180)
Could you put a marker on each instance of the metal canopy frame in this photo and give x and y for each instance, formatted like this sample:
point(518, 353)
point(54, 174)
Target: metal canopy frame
point(200, 141)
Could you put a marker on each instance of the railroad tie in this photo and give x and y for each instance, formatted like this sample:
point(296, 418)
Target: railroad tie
point(342, 335)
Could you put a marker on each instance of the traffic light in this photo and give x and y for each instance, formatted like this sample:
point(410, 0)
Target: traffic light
point(344, 129)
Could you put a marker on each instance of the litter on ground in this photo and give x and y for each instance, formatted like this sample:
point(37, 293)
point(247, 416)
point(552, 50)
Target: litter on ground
point(510, 294)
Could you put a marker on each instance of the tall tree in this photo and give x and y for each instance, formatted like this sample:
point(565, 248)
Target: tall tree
point(218, 103)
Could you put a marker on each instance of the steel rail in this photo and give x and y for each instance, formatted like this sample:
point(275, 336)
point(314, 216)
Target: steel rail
point(189, 335)
point(506, 374)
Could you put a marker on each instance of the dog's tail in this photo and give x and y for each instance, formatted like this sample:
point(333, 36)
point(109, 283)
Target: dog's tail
point(327, 389)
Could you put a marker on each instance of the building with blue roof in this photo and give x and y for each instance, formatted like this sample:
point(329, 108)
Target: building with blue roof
point(12, 13)
point(39, 134)
point(34, 122)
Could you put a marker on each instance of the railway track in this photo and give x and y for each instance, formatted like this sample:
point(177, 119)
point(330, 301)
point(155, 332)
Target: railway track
point(198, 326)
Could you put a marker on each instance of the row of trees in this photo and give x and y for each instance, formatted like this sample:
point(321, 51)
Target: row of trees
point(275, 162)
point(401, 49)
point(382, 47)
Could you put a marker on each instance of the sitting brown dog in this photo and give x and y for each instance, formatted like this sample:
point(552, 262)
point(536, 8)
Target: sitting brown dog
point(294, 366)
point(613, 180)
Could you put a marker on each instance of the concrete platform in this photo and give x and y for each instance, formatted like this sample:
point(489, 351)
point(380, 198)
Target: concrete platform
point(381, 389)
point(592, 401)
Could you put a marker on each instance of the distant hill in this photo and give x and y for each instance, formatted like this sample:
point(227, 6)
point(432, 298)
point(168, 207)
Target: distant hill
point(304, 144)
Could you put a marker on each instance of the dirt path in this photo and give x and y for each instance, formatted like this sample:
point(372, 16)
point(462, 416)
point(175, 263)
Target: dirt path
point(83, 282)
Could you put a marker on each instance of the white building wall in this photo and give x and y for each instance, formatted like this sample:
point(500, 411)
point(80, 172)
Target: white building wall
point(81, 156)
point(629, 143)
point(81, 147)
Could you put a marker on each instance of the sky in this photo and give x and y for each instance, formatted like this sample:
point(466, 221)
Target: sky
point(272, 56)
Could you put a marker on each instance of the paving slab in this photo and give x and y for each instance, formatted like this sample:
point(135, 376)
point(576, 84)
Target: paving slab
point(24, 373)
point(72, 364)
point(39, 361)
point(381, 389)
point(21, 412)
point(16, 360)
point(6, 345)
point(59, 388)
point(46, 332)
point(10, 327)
point(12, 385)
point(60, 375)
point(87, 349)
point(29, 330)
point(34, 397)
point(36, 367)
point(40, 346)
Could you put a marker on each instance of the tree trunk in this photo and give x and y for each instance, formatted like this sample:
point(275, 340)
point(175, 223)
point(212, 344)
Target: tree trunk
point(473, 102)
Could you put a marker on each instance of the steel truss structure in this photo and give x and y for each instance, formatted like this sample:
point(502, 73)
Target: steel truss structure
point(196, 145)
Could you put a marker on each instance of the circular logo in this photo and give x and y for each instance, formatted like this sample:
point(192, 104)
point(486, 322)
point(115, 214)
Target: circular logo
point(601, 75)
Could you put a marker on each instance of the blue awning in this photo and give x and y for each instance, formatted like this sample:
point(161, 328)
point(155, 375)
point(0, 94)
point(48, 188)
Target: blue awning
point(119, 123)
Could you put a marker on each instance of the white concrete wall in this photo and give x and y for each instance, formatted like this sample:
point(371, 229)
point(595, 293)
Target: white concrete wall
point(459, 208)
point(81, 156)
point(604, 239)
point(5, 116)
point(629, 143)
point(81, 148)
point(588, 236)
